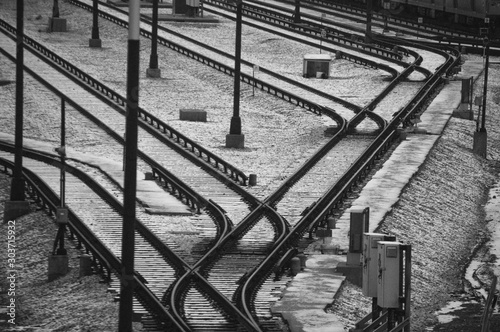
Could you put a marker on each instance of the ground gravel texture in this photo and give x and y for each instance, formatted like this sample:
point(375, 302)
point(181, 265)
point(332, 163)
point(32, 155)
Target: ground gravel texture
point(70, 303)
point(440, 213)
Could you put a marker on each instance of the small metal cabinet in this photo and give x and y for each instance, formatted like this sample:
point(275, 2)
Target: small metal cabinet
point(389, 277)
point(370, 263)
point(317, 65)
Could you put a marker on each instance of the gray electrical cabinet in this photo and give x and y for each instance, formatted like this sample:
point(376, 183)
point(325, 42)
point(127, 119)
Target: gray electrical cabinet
point(370, 263)
point(389, 274)
point(317, 65)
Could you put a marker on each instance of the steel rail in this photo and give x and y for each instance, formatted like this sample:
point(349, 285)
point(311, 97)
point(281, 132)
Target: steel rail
point(343, 55)
point(92, 244)
point(316, 32)
point(170, 181)
point(314, 28)
point(222, 227)
point(347, 5)
point(107, 94)
point(324, 206)
point(266, 87)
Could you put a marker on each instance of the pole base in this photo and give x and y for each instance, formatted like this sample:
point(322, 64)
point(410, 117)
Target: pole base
point(58, 266)
point(85, 265)
point(57, 24)
point(235, 141)
point(353, 273)
point(153, 72)
point(480, 143)
point(15, 209)
point(97, 43)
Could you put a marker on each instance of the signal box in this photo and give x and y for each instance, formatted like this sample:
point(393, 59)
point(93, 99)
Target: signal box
point(389, 286)
point(369, 260)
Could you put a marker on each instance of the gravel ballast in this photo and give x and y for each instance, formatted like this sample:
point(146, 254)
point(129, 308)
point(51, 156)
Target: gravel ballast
point(440, 213)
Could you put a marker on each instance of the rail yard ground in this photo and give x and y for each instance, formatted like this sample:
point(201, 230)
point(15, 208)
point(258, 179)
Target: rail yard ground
point(441, 213)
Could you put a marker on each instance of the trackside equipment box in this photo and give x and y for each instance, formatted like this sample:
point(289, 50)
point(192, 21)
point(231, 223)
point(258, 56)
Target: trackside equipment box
point(317, 65)
point(389, 278)
point(370, 263)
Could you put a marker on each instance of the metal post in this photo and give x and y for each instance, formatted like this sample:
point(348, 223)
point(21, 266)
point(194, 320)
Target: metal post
point(63, 152)
point(375, 309)
point(95, 17)
point(253, 77)
point(235, 128)
point(129, 197)
point(407, 285)
point(485, 88)
point(17, 188)
point(235, 139)
point(153, 70)
point(55, 9)
point(95, 41)
point(296, 17)
point(369, 9)
point(62, 192)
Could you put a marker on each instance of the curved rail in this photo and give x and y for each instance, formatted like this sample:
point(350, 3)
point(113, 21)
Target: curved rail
point(107, 260)
point(119, 102)
point(324, 207)
point(266, 87)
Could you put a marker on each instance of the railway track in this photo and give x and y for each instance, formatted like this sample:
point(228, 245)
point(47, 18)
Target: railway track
point(437, 36)
point(96, 221)
point(189, 169)
point(303, 92)
point(245, 243)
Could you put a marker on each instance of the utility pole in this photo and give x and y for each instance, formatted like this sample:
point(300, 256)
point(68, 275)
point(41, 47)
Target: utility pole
point(235, 139)
point(62, 212)
point(153, 70)
point(58, 261)
point(17, 206)
point(95, 41)
point(481, 136)
point(130, 175)
point(369, 9)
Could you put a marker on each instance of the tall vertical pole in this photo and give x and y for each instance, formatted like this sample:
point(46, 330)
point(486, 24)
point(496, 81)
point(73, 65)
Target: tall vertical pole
point(153, 61)
point(128, 245)
point(61, 214)
point(63, 148)
point(407, 285)
point(296, 17)
point(95, 17)
point(369, 9)
point(485, 87)
point(235, 127)
point(235, 139)
point(17, 188)
point(153, 70)
point(95, 41)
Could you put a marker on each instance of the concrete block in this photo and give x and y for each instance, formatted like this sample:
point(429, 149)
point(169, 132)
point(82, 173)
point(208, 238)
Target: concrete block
point(421, 131)
point(354, 259)
point(235, 141)
point(480, 143)
point(58, 266)
point(252, 179)
point(353, 274)
point(193, 115)
point(15, 209)
point(463, 113)
point(294, 266)
point(85, 265)
point(156, 73)
point(57, 24)
point(97, 43)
